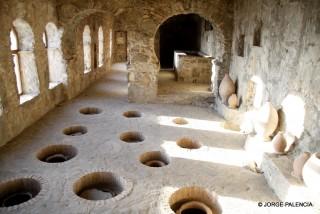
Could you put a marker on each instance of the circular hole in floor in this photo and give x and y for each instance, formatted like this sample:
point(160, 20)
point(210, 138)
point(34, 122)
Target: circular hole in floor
point(98, 186)
point(132, 114)
point(154, 159)
point(195, 208)
point(18, 191)
point(132, 137)
point(188, 143)
point(90, 110)
point(75, 130)
point(194, 199)
point(57, 153)
point(180, 121)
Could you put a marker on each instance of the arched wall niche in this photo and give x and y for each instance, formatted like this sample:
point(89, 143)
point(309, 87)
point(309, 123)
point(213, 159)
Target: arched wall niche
point(14, 47)
point(87, 49)
point(56, 63)
point(100, 46)
point(27, 62)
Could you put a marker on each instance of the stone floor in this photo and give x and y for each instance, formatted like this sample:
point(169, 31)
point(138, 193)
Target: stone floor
point(168, 85)
point(218, 165)
point(171, 91)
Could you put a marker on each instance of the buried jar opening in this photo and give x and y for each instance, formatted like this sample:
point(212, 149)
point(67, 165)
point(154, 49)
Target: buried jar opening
point(194, 199)
point(132, 137)
point(98, 186)
point(180, 121)
point(193, 211)
point(154, 159)
point(132, 114)
point(195, 208)
point(188, 143)
point(75, 130)
point(57, 153)
point(18, 191)
point(90, 110)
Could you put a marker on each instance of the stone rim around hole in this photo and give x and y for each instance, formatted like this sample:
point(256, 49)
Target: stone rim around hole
point(180, 121)
point(18, 191)
point(75, 131)
point(57, 153)
point(132, 114)
point(98, 186)
point(90, 111)
point(154, 159)
point(132, 137)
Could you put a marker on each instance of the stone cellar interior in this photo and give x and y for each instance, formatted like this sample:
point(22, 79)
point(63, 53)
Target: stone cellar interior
point(159, 106)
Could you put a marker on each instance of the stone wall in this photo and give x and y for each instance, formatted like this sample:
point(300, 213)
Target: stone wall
point(192, 68)
point(15, 117)
point(284, 67)
point(210, 43)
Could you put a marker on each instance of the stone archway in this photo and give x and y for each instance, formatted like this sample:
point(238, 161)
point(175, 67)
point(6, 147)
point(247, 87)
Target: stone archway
point(186, 46)
point(144, 64)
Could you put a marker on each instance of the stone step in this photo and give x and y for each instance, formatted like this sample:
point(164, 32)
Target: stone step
point(277, 171)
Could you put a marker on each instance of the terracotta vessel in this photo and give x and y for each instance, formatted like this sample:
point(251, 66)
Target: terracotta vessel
point(279, 143)
point(311, 173)
point(194, 205)
point(266, 121)
point(298, 164)
point(226, 88)
point(233, 101)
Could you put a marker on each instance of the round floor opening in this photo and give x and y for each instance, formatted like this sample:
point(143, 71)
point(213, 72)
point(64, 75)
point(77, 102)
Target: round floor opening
point(90, 111)
point(132, 114)
point(154, 159)
point(57, 153)
point(194, 199)
point(75, 131)
point(194, 211)
point(18, 191)
point(132, 137)
point(188, 143)
point(180, 121)
point(98, 186)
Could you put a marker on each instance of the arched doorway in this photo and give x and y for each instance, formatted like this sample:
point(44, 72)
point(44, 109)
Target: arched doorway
point(184, 45)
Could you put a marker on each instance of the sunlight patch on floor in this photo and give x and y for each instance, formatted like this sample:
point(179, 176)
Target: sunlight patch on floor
point(229, 157)
point(205, 125)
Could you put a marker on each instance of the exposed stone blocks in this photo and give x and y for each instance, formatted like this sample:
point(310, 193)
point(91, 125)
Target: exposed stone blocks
point(193, 68)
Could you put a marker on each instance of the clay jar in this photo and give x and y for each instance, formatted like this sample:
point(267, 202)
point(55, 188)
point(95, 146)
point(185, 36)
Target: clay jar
point(311, 172)
point(194, 205)
point(266, 121)
point(298, 164)
point(226, 88)
point(279, 143)
point(233, 101)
